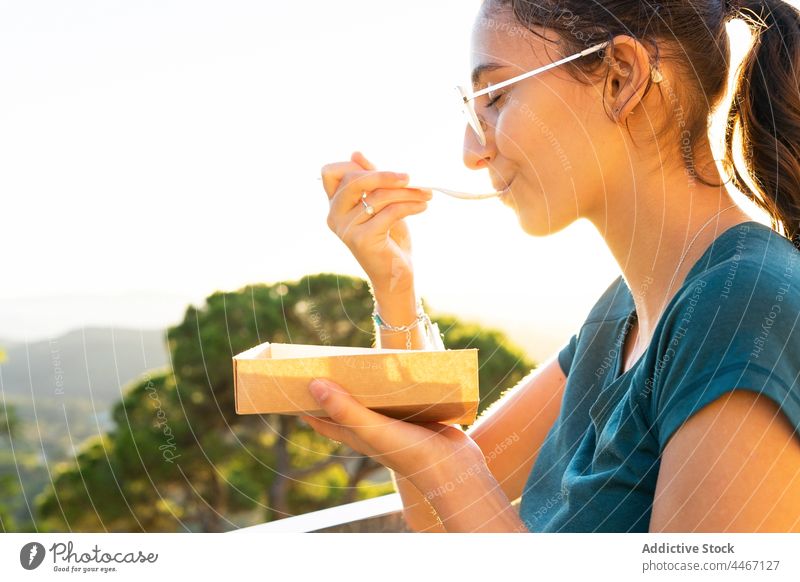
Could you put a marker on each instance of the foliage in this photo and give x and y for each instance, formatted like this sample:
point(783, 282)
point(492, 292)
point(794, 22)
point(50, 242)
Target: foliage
point(178, 458)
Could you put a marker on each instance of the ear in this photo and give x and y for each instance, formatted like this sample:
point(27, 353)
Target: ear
point(628, 73)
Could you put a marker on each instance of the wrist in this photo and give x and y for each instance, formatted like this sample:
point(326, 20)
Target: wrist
point(444, 478)
point(393, 286)
point(469, 498)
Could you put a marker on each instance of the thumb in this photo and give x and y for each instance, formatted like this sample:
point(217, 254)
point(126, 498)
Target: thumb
point(342, 407)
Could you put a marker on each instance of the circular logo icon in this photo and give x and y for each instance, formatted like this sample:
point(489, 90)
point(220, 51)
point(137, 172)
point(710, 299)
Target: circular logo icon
point(31, 555)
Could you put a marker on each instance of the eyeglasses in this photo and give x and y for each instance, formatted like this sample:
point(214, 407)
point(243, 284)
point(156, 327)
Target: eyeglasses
point(467, 98)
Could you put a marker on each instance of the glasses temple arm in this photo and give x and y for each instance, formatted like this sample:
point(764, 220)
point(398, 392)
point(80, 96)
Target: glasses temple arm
point(585, 52)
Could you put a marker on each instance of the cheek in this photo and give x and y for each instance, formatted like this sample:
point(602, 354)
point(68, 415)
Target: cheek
point(556, 148)
point(511, 133)
point(550, 141)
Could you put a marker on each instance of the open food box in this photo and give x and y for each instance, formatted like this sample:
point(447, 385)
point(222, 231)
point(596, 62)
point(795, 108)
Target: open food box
point(411, 385)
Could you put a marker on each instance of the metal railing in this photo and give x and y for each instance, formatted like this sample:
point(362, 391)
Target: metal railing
point(384, 513)
point(378, 514)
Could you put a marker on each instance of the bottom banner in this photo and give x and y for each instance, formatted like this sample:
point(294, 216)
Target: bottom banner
point(400, 556)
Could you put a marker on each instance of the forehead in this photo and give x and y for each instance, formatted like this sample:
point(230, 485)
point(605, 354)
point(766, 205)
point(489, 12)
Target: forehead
point(497, 37)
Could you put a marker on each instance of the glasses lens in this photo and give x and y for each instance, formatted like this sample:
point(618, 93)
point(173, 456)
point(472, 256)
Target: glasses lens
point(469, 112)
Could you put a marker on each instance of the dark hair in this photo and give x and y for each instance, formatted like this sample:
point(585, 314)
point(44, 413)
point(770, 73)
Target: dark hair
point(692, 35)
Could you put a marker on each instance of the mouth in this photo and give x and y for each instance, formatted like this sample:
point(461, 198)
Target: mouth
point(504, 192)
point(504, 184)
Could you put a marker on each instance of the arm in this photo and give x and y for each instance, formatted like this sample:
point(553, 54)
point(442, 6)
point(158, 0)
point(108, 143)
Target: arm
point(508, 432)
point(400, 309)
point(418, 513)
point(510, 435)
point(512, 430)
point(507, 426)
point(397, 308)
point(733, 466)
point(474, 503)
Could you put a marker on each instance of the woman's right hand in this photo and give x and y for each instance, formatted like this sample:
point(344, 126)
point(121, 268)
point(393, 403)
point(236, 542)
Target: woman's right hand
point(380, 243)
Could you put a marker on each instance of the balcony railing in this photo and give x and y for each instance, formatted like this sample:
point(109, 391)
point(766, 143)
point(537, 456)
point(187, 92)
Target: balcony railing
point(378, 514)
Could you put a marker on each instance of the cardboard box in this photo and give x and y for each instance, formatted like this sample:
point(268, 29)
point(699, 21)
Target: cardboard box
point(412, 385)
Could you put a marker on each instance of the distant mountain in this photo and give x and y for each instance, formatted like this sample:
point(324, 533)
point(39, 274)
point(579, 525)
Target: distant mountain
point(87, 364)
point(31, 318)
point(63, 388)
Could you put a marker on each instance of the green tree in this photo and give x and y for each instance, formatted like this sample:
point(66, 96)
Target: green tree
point(9, 486)
point(9, 421)
point(180, 458)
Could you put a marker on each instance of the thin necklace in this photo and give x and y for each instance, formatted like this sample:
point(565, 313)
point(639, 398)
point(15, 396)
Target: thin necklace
point(677, 268)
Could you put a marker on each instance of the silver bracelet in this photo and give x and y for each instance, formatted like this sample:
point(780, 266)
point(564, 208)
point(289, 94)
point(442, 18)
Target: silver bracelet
point(431, 334)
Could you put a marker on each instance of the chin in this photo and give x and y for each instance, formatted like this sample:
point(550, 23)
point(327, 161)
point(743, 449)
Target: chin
point(536, 222)
point(537, 214)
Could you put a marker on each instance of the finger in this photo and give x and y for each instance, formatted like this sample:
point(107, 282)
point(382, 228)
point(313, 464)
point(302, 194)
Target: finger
point(383, 220)
point(327, 427)
point(369, 426)
point(353, 184)
point(332, 175)
point(383, 197)
point(362, 161)
point(437, 426)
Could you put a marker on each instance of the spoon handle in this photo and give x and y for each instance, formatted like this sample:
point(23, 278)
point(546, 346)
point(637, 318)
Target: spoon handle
point(454, 193)
point(458, 194)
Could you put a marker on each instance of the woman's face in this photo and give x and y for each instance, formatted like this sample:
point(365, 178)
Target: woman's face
point(548, 136)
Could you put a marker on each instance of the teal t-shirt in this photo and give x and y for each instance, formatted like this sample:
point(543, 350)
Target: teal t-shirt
point(732, 324)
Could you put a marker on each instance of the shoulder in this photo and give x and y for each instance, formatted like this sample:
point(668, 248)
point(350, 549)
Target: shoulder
point(750, 269)
point(614, 303)
point(739, 292)
point(741, 433)
point(734, 312)
point(735, 325)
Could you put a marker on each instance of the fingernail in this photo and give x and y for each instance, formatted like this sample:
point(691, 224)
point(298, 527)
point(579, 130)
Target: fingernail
point(318, 390)
point(402, 177)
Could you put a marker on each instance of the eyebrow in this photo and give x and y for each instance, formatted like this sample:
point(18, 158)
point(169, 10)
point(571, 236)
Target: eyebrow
point(484, 68)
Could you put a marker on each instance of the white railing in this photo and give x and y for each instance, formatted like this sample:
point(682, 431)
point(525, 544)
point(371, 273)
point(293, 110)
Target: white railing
point(330, 517)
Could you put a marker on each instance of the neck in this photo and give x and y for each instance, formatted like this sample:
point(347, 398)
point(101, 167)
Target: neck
point(649, 236)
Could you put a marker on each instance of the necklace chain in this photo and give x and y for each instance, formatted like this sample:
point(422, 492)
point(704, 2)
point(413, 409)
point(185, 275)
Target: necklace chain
point(685, 254)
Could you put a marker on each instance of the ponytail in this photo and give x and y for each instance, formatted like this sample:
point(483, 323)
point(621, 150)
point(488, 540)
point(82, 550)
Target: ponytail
point(766, 107)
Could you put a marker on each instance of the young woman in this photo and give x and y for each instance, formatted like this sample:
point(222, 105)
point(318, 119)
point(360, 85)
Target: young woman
point(676, 406)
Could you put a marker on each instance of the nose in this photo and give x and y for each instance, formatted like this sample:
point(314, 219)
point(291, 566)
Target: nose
point(476, 156)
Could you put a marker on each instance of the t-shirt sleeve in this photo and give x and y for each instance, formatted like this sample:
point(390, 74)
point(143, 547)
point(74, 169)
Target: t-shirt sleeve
point(728, 331)
point(602, 308)
point(567, 354)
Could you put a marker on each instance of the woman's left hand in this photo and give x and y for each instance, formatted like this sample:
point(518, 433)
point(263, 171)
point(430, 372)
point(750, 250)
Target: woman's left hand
point(425, 452)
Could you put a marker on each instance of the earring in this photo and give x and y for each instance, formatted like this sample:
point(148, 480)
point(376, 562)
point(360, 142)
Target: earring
point(656, 75)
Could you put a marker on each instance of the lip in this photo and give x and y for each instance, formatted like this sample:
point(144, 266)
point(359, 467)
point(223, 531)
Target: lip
point(502, 181)
point(507, 189)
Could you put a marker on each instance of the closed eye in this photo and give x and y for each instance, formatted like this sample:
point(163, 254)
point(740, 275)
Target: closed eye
point(494, 100)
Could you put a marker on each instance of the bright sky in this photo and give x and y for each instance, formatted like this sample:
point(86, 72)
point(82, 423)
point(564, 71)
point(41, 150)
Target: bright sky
point(171, 148)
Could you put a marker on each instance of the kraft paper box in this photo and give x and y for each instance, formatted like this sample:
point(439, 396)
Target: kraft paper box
point(412, 385)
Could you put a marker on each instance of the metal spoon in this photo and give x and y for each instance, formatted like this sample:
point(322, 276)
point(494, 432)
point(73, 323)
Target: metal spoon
point(458, 194)
point(455, 193)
